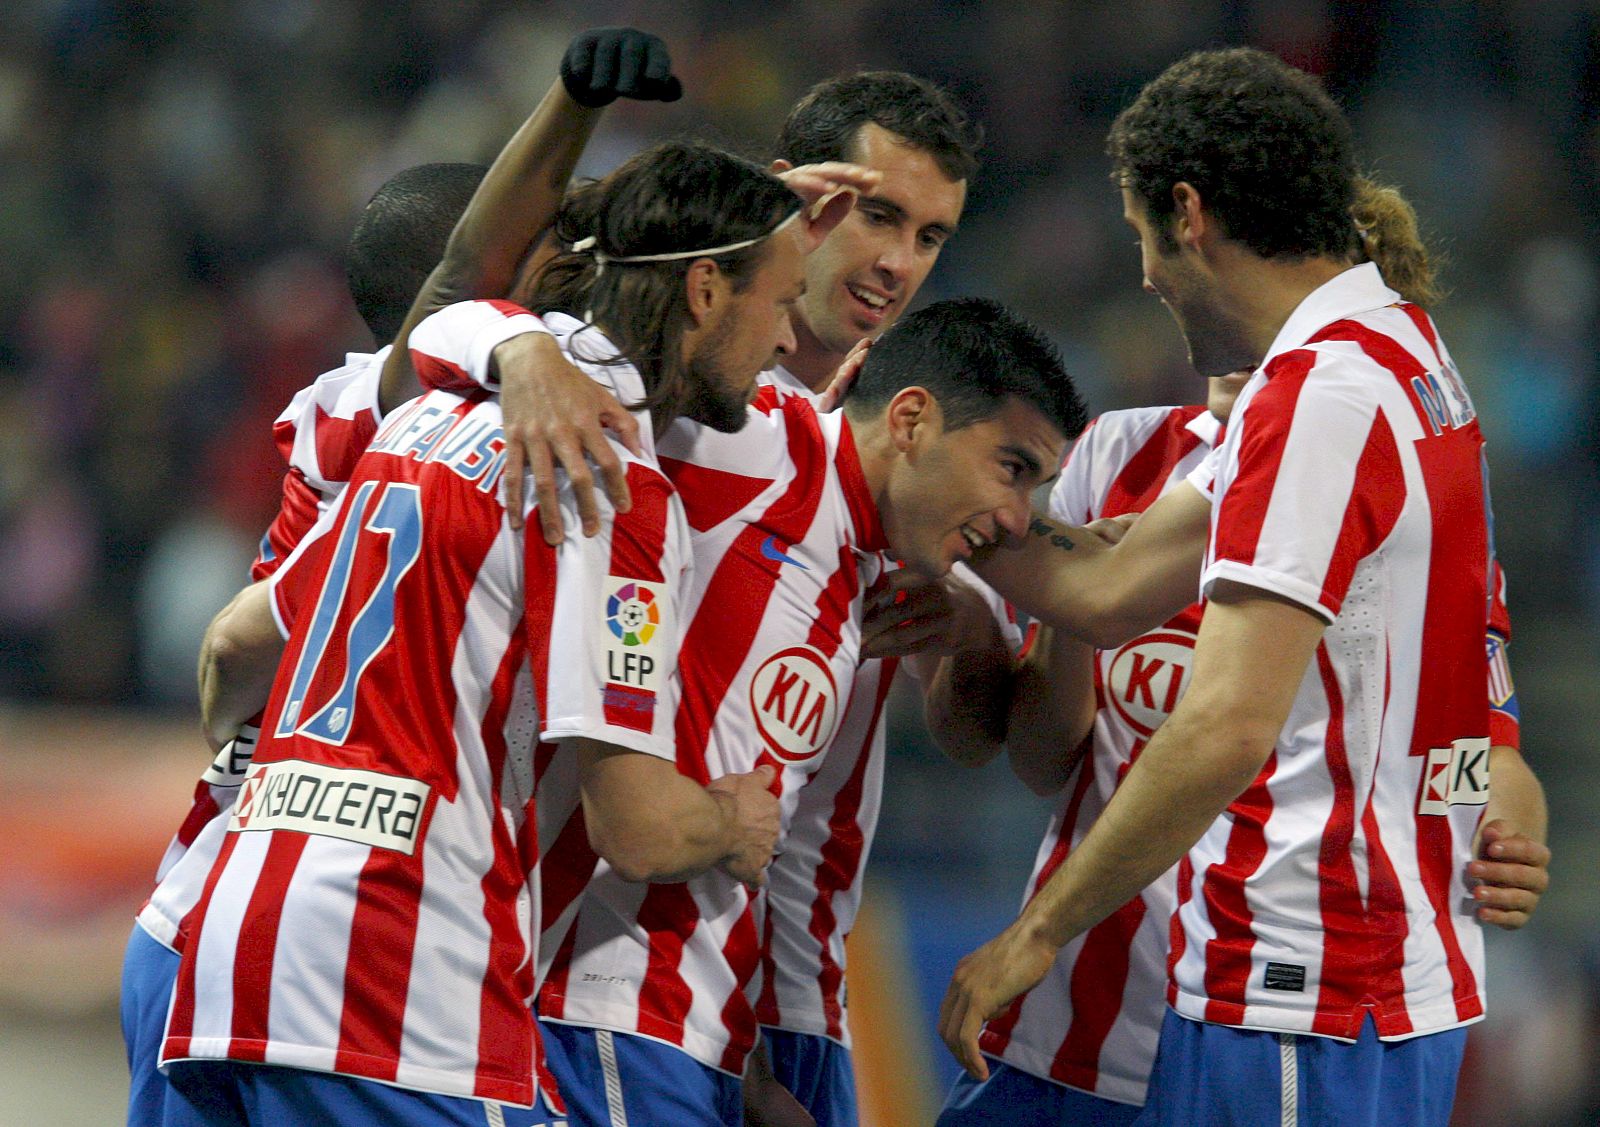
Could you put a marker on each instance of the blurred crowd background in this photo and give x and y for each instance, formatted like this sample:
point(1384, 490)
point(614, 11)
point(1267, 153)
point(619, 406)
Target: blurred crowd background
point(177, 179)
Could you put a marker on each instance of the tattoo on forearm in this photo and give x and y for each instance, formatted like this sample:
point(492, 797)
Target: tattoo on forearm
point(1047, 530)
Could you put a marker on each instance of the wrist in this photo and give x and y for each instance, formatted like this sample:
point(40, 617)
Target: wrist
point(497, 342)
point(1040, 928)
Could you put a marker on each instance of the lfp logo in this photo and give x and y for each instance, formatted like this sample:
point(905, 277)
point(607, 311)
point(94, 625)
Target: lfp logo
point(632, 614)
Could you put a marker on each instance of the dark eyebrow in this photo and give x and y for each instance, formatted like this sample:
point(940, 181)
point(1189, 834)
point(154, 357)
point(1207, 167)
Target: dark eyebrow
point(1024, 456)
point(899, 213)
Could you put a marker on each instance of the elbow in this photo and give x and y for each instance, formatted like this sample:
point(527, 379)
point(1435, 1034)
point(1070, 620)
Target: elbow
point(638, 854)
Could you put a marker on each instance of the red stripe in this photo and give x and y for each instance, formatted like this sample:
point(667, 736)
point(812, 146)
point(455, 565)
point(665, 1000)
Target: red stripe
point(566, 868)
point(735, 599)
point(668, 916)
point(1141, 480)
point(840, 861)
point(180, 1023)
point(857, 497)
point(1177, 938)
point(742, 951)
point(997, 1034)
point(1375, 505)
point(1228, 908)
point(437, 373)
point(539, 572)
point(256, 946)
point(553, 994)
point(297, 512)
point(340, 443)
point(506, 1030)
point(1449, 706)
point(1344, 924)
point(1244, 507)
point(639, 536)
point(377, 979)
point(1386, 908)
point(835, 605)
point(711, 496)
point(1099, 977)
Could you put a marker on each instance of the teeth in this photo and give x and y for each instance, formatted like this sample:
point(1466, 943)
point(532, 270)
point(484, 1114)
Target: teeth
point(973, 539)
point(871, 299)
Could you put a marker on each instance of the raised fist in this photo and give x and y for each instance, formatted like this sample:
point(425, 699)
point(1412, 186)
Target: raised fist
point(607, 63)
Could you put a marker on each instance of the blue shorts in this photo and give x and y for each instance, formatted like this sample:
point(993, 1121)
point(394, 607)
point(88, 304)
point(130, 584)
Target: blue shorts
point(818, 1071)
point(620, 1079)
point(1011, 1096)
point(149, 970)
point(1216, 1074)
point(222, 1093)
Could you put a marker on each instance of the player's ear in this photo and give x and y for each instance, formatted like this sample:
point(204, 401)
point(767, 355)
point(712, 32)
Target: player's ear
point(781, 165)
point(704, 286)
point(911, 417)
point(1190, 220)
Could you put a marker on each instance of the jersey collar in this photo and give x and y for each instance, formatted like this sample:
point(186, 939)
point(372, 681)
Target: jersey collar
point(1351, 292)
point(857, 497)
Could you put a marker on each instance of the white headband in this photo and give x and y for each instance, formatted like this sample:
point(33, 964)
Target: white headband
point(601, 258)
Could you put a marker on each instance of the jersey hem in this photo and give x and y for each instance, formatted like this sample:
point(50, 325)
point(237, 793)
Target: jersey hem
point(843, 1043)
point(1118, 1092)
point(158, 927)
point(523, 1093)
point(621, 1026)
point(1276, 1019)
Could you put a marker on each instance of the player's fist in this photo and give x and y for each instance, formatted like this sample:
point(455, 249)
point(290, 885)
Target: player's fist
point(753, 821)
point(607, 63)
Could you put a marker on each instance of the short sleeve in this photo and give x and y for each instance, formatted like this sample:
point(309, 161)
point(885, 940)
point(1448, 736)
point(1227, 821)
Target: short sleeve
point(602, 616)
point(1309, 484)
point(451, 349)
point(1072, 498)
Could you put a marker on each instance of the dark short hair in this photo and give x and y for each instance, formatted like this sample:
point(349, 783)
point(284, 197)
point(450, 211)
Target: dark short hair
point(823, 124)
point(676, 196)
point(1271, 155)
point(400, 238)
point(973, 354)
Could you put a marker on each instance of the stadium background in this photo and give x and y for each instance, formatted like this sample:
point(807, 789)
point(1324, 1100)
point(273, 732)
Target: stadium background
point(176, 181)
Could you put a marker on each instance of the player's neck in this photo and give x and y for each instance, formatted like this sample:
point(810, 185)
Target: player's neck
point(1263, 292)
point(811, 363)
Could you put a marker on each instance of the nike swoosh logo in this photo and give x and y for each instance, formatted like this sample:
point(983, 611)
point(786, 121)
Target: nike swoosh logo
point(770, 549)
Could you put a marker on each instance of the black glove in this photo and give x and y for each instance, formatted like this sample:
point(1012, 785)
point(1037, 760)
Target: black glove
point(607, 63)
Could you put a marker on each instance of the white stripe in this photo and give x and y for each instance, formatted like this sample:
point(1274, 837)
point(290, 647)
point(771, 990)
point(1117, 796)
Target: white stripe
point(494, 1115)
point(1289, 1092)
point(608, 1068)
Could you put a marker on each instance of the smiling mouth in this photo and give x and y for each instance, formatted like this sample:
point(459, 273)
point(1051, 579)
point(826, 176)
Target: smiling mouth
point(973, 537)
point(875, 302)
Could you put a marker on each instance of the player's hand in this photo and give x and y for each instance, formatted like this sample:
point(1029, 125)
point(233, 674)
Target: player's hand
point(1513, 871)
point(607, 63)
point(752, 812)
point(913, 615)
point(554, 413)
point(1111, 530)
point(829, 190)
point(984, 984)
point(844, 377)
point(767, 1103)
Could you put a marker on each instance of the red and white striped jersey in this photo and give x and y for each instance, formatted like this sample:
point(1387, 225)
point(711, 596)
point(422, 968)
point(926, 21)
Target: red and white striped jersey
point(374, 909)
point(1351, 482)
point(321, 433)
point(786, 543)
point(813, 892)
point(1093, 1021)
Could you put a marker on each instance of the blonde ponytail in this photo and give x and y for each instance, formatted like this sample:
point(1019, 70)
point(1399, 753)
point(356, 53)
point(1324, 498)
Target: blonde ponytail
point(1389, 237)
